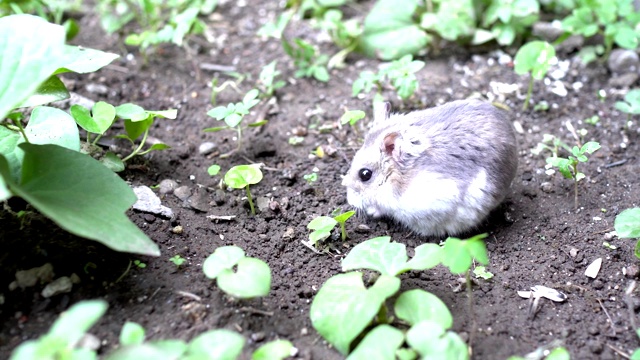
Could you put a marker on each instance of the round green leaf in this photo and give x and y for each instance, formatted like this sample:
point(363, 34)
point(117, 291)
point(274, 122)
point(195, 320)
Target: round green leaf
point(343, 307)
point(380, 343)
point(274, 350)
point(627, 223)
point(131, 112)
point(131, 334)
point(535, 58)
point(53, 126)
point(77, 320)
point(433, 342)
point(242, 175)
point(225, 257)
point(216, 345)
point(417, 305)
point(112, 161)
point(252, 279)
point(426, 256)
point(377, 254)
point(103, 116)
point(456, 256)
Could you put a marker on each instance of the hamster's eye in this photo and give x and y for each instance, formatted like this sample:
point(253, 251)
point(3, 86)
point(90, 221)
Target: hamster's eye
point(365, 174)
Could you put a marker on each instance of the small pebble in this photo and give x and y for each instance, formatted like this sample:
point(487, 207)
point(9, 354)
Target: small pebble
point(207, 148)
point(167, 186)
point(60, 285)
point(258, 337)
point(97, 89)
point(177, 230)
point(623, 61)
point(631, 271)
point(182, 193)
point(546, 187)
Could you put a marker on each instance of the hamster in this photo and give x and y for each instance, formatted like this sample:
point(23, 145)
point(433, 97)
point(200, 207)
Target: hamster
point(438, 171)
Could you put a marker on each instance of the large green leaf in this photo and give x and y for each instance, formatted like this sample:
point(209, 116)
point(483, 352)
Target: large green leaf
point(9, 141)
point(417, 305)
point(380, 343)
point(218, 344)
point(252, 279)
point(31, 49)
point(627, 223)
point(433, 342)
point(84, 60)
point(377, 254)
point(344, 306)
point(53, 126)
point(82, 196)
point(390, 31)
point(4, 187)
point(51, 90)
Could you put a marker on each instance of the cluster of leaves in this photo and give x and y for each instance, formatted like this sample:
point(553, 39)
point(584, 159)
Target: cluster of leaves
point(345, 309)
point(160, 21)
point(61, 341)
point(400, 74)
point(322, 226)
point(631, 103)
point(41, 162)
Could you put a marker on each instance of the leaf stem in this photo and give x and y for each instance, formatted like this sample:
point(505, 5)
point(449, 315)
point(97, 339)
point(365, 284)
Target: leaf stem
point(95, 141)
point(21, 129)
point(529, 91)
point(343, 231)
point(253, 210)
point(472, 331)
point(137, 150)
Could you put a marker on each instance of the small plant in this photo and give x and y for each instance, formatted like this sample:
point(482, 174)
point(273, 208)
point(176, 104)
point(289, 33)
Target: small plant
point(61, 341)
point(533, 58)
point(311, 177)
point(508, 18)
point(594, 120)
point(344, 309)
point(627, 225)
point(568, 166)
point(139, 264)
point(177, 260)
point(631, 103)
point(251, 279)
point(481, 272)
point(351, 117)
point(241, 176)
point(233, 114)
point(399, 73)
point(322, 226)
point(268, 81)
point(307, 60)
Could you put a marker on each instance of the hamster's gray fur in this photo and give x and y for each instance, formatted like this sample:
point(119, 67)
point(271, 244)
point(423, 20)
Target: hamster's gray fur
point(438, 171)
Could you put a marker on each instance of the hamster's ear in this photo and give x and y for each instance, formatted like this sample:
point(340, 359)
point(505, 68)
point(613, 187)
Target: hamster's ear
point(381, 111)
point(391, 146)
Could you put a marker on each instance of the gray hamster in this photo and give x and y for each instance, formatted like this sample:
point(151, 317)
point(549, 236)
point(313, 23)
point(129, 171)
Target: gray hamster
point(438, 171)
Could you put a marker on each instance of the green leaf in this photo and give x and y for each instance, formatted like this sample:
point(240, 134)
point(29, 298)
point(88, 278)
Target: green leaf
point(82, 196)
point(417, 305)
point(377, 254)
point(250, 97)
point(29, 57)
point(426, 256)
point(77, 320)
point(481, 272)
point(240, 176)
point(258, 123)
point(9, 141)
point(535, 58)
point(112, 162)
point(632, 104)
point(433, 342)
point(216, 344)
point(131, 334)
point(51, 90)
point(216, 129)
point(4, 188)
point(320, 73)
point(590, 147)
point(103, 114)
point(84, 60)
point(344, 307)
point(252, 279)
point(559, 353)
point(477, 248)
point(163, 349)
point(225, 257)
point(352, 116)
point(53, 126)
point(274, 350)
point(156, 147)
point(136, 128)
point(322, 226)
point(627, 223)
point(232, 120)
point(166, 114)
point(626, 38)
point(342, 218)
point(390, 31)
point(380, 343)
point(455, 256)
point(220, 112)
point(563, 166)
point(213, 170)
point(131, 112)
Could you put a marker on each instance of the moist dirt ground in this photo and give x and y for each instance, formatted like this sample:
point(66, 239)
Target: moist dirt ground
point(537, 237)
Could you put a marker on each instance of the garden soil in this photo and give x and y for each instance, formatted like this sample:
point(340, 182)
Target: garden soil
point(537, 237)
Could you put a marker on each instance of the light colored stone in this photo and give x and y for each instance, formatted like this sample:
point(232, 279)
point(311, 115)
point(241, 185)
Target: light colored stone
point(207, 148)
point(28, 278)
point(623, 60)
point(167, 186)
point(149, 202)
point(60, 285)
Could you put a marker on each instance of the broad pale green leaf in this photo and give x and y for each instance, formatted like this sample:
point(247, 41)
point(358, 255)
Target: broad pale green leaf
point(5, 193)
point(377, 254)
point(274, 350)
point(31, 49)
point(252, 279)
point(84, 60)
point(219, 112)
point(82, 196)
point(164, 349)
point(9, 141)
point(390, 31)
point(167, 114)
point(112, 162)
point(434, 343)
point(632, 104)
point(456, 256)
point(51, 90)
point(380, 343)
point(77, 320)
point(232, 120)
point(626, 38)
point(130, 111)
point(242, 175)
point(477, 248)
point(225, 257)
point(627, 223)
point(53, 126)
point(131, 334)
point(417, 305)
point(426, 256)
point(103, 115)
point(322, 226)
point(590, 147)
point(343, 307)
point(216, 345)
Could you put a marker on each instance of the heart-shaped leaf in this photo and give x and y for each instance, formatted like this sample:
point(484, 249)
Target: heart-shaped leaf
point(252, 279)
point(417, 305)
point(377, 254)
point(225, 257)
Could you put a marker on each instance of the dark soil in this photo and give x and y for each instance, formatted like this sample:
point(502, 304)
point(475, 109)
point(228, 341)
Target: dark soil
point(536, 238)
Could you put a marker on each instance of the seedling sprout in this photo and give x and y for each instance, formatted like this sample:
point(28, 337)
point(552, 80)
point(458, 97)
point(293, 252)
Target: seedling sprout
point(533, 58)
point(177, 260)
point(631, 103)
point(241, 176)
point(568, 166)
